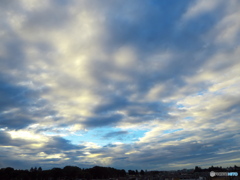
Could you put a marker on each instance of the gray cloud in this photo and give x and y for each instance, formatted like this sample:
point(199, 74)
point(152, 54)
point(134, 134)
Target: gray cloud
point(58, 144)
point(103, 120)
point(115, 134)
point(74, 66)
point(20, 105)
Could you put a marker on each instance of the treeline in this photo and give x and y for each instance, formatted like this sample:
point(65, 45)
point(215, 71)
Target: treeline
point(67, 173)
point(217, 169)
point(136, 173)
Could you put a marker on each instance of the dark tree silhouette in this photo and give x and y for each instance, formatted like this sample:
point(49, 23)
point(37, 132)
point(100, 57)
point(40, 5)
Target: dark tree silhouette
point(96, 172)
point(136, 172)
point(131, 172)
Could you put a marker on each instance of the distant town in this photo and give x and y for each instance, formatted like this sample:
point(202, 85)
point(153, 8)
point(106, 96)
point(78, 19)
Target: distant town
point(109, 173)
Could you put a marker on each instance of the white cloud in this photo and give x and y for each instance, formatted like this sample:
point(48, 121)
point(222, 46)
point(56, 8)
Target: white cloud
point(200, 7)
point(83, 68)
point(28, 135)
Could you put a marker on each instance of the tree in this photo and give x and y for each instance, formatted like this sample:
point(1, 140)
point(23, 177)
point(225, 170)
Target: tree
point(71, 171)
point(197, 169)
point(56, 173)
point(131, 172)
point(9, 173)
point(39, 169)
point(136, 172)
point(122, 173)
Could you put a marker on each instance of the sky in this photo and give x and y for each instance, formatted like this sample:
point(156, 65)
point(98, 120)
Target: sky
point(152, 85)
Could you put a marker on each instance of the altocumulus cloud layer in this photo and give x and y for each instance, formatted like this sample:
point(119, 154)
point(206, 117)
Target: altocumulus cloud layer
point(127, 84)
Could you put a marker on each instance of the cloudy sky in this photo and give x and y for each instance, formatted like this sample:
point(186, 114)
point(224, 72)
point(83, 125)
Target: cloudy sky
point(122, 83)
